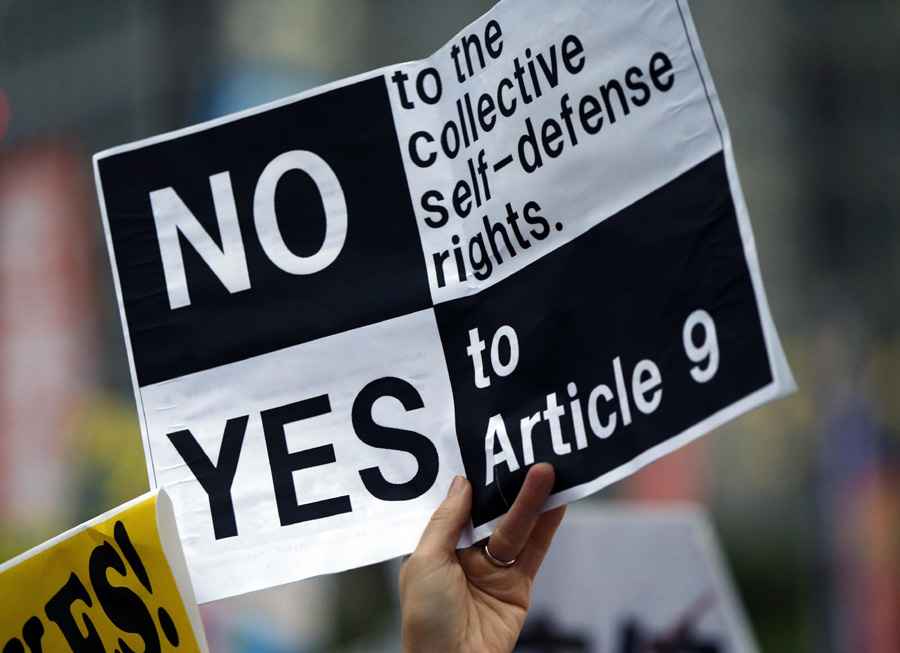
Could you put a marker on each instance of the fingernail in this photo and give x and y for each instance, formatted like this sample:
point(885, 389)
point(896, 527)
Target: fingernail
point(456, 486)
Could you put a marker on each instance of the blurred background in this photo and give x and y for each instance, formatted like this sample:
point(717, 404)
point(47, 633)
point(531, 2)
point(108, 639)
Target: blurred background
point(804, 493)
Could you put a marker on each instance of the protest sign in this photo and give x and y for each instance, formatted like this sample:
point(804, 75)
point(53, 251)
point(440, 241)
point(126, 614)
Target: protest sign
point(116, 583)
point(630, 579)
point(530, 246)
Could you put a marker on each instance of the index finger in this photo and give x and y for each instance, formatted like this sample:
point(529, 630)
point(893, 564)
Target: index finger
point(511, 535)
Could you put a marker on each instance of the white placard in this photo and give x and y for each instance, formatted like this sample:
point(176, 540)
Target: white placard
point(530, 246)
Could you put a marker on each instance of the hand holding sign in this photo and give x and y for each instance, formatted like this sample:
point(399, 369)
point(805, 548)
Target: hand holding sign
point(531, 246)
point(460, 600)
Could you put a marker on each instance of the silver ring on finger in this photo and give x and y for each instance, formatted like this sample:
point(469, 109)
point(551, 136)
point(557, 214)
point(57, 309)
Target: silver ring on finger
point(496, 561)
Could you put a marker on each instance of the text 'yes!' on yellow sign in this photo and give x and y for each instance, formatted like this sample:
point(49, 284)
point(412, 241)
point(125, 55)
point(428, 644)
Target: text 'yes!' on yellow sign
point(115, 583)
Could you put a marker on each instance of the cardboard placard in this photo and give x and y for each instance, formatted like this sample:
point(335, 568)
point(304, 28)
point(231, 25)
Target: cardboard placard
point(632, 578)
point(117, 582)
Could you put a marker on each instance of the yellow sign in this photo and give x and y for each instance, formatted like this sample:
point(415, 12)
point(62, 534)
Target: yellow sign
point(116, 583)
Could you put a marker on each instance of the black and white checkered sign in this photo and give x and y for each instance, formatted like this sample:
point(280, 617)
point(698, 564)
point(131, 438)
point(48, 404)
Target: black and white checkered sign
point(529, 247)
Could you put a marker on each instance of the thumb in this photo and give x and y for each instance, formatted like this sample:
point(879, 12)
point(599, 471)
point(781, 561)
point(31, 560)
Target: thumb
point(442, 533)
